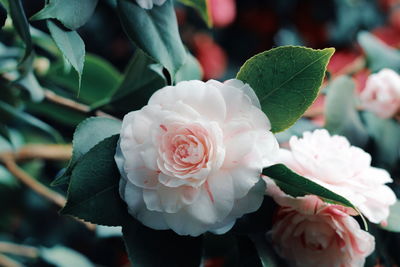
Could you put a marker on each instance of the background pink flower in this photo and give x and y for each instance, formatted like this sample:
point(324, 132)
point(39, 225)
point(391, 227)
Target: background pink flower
point(308, 232)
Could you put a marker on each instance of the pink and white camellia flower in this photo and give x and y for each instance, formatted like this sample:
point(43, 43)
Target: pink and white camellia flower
point(382, 93)
point(148, 4)
point(310, 233)
point(191, 159)
point(344, 169)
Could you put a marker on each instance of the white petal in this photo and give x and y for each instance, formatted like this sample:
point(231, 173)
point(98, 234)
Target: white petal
point(170, 198)
point(183, 224)
point(237, 147)
point(146, 4)
point(244, 179)
point(215, 200)
point(159, 2)
point(246, 89)
point(206, 100)
point(152, 200)
point(249, 203)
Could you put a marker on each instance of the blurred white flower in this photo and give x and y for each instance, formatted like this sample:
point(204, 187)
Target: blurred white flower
point(346, 170)
point(382, 93)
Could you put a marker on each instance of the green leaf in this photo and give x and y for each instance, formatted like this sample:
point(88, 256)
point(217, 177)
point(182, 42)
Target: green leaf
point(265, 251)
point(379, 55)
point(4, 132)
point(31, 84)
point(191, 70)
point(286, 80)
point(171, 249)
point(71, 46)
point(93, 192)
point(20, 23)
point(155, 31)
point(99, 79)
point(56, 113)
point(385, 134)
point(71, 13)
point(64, 257)
point(141, 79)
point(202, 6)
point(6, 178)
point(341, 113)
point(44, 41)
point(3, 15)
point(298, 186)
point(393, 220)
point(28, 119)
point(88, 134)
point(15, 141)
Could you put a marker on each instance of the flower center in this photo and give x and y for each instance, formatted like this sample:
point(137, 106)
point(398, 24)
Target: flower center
point(188, 149)
point(184, 150)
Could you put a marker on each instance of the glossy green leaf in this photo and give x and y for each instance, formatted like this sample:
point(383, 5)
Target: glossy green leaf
point(379, 55)
point(297, 186)
point(88, 134)
point(99, 79)
point(93, 192)
point(64, 257)
point(71, 46)
point(202, 6)
point(191, 70)
point(286, 80)
point(71, 13)
point(393, 220)
point(29, 120)
point(141, 79)
point(155, 31)
point(385, 134)
point(20, 23)
point(142, 242)
point(341, 115)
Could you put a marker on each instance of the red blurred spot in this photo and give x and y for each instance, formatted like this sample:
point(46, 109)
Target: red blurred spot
point(361, 79)
point(389, 35)
point(181, 15)
point(340, 60)
point(223, 12)
point(395, 18)
point(215, 262)
point(211, 56)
